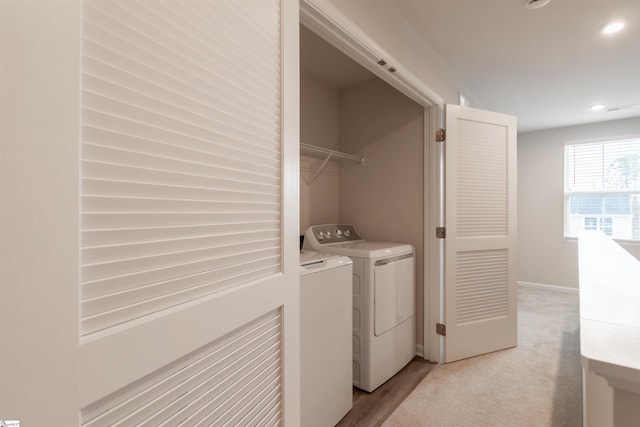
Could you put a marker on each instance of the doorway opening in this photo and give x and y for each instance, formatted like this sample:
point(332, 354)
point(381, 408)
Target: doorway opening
point(347, 108)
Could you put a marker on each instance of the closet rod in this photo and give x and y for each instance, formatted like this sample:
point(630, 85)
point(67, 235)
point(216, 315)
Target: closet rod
point(330, 153)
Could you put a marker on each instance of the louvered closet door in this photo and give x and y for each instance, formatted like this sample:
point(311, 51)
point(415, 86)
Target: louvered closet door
point(480, 204)
point(182, 287)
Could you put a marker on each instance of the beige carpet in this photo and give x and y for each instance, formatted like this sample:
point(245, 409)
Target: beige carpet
point(538, 383)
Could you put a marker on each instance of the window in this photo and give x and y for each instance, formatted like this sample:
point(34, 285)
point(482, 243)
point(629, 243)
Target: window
point(603, 224)
point(602, 188)
point(591, 223)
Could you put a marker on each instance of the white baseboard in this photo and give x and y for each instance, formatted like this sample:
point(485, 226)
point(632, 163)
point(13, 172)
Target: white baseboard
point(555, 288)
point(420, 350)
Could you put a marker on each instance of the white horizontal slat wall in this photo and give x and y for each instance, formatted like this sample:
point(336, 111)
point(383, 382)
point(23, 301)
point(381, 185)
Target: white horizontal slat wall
point(482, 211)
point(482, 290)
point(480, 207)
point(233, 381)
point(181, 159)
point(482, 202)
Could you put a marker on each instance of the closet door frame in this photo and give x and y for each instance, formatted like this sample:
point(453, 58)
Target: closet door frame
point(328, 22)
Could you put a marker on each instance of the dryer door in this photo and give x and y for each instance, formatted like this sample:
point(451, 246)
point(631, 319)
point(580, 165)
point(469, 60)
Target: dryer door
point(393, 292)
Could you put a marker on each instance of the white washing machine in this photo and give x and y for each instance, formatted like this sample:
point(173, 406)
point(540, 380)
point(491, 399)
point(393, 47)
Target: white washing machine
point(383, 300)
point(326, 394)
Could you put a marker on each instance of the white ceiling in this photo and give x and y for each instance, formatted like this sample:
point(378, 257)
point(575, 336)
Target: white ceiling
point(546, 66)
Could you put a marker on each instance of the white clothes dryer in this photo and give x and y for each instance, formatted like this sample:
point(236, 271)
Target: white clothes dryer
point(383, 300)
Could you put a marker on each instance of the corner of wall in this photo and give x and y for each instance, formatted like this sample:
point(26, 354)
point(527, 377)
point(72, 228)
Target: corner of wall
point(545, 256)
point(388, 28)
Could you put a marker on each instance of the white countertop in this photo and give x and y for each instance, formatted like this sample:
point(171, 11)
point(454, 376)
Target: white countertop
point(609, 309)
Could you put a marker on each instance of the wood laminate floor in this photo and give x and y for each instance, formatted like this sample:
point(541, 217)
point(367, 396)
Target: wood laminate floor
point(372, 409)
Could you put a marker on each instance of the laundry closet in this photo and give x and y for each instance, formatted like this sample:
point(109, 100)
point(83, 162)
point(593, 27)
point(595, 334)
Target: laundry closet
point(346, 109)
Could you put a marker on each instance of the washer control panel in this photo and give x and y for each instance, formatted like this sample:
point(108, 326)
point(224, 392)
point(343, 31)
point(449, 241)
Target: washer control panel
point(334, 233)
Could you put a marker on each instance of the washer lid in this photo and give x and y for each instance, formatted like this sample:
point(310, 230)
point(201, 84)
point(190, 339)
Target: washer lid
point(367, 249)
point(314, 262)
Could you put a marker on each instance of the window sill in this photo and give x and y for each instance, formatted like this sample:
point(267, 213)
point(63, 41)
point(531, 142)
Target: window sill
point(623, 242)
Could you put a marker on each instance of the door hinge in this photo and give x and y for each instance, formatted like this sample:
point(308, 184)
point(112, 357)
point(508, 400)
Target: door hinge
point(441, 134)
point(441, 329)
point(440, 232)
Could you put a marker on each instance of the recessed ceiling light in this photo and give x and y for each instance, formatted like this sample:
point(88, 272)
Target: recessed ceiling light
point(535, 4)
point(598, 107)
point(612, 27)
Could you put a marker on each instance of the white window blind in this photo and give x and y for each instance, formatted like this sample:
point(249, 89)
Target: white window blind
point(602, 188)
point(180, 152)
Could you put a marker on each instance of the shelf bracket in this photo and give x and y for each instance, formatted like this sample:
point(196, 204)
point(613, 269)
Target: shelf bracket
point(315, 175)
point(331, 154)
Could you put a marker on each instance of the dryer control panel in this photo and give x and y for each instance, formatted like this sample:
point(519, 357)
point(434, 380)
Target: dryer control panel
point(334, 233)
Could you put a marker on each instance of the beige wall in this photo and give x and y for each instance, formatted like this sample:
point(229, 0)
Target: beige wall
point(544, 255)
point(319, 113)
point(319, 125)
point(384, 198)
point(392, 32)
